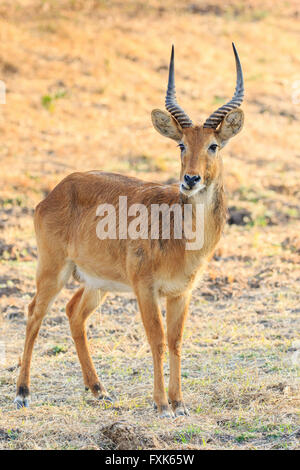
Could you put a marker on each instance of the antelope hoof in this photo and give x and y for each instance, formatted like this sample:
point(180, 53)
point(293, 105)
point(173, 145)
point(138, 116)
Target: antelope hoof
point(164, 411)
point(181, 412)
point(180, 409)
point(166, 414)
point(21, 402)
point(107, 400)
point(100, 393)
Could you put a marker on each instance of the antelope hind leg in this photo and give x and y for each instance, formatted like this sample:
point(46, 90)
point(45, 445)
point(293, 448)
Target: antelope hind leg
point(50, 281)
point(79, 308)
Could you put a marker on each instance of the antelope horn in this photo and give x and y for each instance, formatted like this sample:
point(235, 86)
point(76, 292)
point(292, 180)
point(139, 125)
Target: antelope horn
point(215, 118)
point(171, 104)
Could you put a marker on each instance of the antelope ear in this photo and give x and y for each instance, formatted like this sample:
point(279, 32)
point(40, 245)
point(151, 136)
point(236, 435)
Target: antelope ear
point(166, 125)
point(231, 125)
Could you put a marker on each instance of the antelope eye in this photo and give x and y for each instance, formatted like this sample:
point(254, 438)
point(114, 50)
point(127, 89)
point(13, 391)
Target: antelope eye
point(181, 146)
point(213, 148)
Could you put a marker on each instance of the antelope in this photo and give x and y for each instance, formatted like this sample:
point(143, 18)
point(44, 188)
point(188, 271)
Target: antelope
point(66, 225)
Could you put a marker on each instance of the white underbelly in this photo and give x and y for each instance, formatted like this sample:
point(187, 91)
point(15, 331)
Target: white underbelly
point(107, 285)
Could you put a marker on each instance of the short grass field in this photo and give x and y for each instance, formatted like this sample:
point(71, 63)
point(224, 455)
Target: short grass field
point(81, 80)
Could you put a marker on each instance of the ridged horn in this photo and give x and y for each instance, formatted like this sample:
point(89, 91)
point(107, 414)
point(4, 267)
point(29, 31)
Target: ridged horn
point(216, 117)
point(171, 103)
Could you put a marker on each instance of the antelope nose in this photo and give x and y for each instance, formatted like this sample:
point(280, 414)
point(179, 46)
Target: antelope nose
point(191, 180)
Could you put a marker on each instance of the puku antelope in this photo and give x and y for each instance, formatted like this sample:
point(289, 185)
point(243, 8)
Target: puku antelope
point(65, 224)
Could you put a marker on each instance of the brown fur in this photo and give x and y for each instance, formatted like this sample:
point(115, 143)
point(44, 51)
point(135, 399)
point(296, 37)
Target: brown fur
point(65, 224)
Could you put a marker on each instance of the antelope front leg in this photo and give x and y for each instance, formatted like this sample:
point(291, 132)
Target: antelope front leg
point(152, 321)
point(177, 308)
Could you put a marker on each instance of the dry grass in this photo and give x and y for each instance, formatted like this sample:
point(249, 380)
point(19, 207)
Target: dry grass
point(82, 78)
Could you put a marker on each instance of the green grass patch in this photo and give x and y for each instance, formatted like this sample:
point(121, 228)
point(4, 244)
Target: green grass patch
point(48, 101)
point(186, 435)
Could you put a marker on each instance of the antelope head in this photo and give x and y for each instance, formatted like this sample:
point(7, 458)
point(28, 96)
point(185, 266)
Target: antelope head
point(200, 144)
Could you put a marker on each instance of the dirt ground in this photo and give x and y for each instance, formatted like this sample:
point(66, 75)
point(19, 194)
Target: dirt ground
point(82, 78)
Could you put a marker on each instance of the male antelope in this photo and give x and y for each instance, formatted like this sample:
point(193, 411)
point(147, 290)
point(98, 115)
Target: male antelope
point(65, 224)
